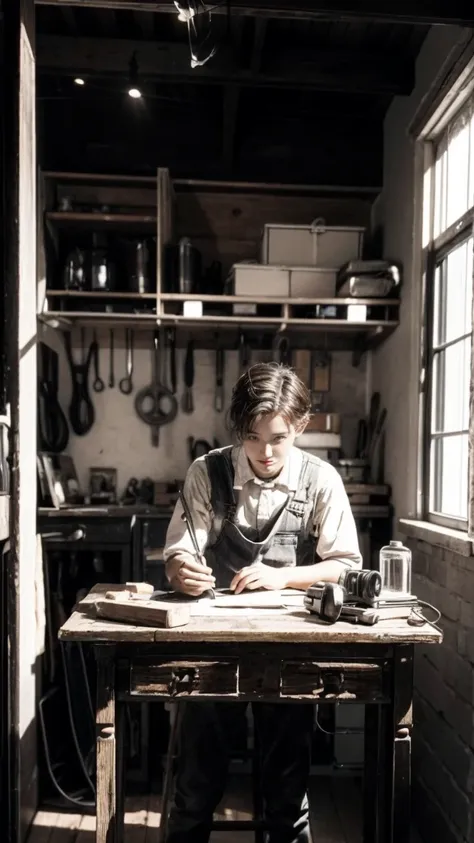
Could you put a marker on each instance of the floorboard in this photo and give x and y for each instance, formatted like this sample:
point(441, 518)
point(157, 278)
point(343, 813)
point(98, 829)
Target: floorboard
point(335, 808)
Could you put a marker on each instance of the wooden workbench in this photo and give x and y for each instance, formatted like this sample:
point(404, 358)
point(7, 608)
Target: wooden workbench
point(277, 656)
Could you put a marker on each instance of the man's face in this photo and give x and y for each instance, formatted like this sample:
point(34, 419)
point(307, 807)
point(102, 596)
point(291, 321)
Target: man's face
point(267, 445)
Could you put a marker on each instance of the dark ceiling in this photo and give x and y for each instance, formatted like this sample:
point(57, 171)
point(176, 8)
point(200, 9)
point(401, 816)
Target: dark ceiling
point(287, 98)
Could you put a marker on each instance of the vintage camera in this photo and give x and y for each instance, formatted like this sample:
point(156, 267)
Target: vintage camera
point(353, 598)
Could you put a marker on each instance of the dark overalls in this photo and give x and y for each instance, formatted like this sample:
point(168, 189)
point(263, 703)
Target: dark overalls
point(284, 731)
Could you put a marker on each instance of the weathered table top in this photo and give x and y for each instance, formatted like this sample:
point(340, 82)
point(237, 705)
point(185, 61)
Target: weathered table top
point(292, 625)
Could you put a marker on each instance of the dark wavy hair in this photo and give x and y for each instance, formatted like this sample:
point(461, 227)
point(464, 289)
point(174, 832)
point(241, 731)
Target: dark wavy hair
point(264, 389)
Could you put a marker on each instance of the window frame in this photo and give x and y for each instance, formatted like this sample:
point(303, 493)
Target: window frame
point(432, 255)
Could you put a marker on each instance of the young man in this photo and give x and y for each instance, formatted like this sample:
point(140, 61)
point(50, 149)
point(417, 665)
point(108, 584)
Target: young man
point(266, 515)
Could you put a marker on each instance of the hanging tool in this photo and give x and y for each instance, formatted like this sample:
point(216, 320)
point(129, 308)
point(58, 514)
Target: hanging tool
point(188, 402)
point(171, 334)
point(361, 443)
point(98, 384)
point(126, 383)
point(281, 349)
point(155, 404)
point(219, 394)
point(111, 360)
point(319, 378)
point(245, 354)
point(374, 455)
point(81, 408)
point(53, 431)
point(200, 447)
point(371, 424)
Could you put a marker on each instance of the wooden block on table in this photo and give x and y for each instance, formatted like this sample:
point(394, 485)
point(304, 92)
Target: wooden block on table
point(139, 587)
point(143, 612)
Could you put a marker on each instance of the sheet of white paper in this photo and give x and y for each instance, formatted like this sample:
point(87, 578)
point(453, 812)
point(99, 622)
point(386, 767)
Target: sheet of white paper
point(260, 601)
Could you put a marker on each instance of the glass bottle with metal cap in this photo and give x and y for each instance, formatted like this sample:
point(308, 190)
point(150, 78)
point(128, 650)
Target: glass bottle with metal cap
point(395, 570)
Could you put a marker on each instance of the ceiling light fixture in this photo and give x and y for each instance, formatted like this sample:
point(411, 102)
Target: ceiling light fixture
point(184, 15)
point(79, 81)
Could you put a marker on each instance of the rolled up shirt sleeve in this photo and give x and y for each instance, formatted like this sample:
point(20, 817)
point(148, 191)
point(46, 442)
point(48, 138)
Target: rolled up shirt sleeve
point(333, 522)
point(198, 497)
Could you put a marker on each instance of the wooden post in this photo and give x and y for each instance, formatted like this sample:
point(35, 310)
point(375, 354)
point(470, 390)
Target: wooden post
point(373, 786)
point(399, 748)
point(106, 746)
point(120, 771)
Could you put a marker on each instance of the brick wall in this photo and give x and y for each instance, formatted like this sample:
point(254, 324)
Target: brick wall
point(443, 742)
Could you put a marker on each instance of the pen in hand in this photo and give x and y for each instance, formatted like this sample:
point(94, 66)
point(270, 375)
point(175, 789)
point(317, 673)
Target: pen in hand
point(187, 517)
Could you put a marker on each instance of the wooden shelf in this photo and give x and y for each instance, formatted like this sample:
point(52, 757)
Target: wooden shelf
point(223, 299)
point(335, 333)
point(328, 334)
point(90, 294)
point(91, 220)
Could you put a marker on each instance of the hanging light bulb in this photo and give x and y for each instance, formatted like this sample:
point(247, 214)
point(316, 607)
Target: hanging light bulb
point(184, 15)
point(133, 88)
point(79, 81)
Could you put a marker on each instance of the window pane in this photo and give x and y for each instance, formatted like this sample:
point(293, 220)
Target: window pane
point(449, 472)
point(441, 167)
point(453, 295)
point(450, 394)
point(457, 200)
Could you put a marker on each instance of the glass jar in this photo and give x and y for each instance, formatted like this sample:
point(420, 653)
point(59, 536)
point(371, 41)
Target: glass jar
point(395, 570)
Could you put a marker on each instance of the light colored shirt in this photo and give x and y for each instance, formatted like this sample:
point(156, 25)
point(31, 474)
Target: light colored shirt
point(328, 517)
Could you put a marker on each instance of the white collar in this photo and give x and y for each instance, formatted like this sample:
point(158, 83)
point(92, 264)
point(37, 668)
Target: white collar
point(287, 479)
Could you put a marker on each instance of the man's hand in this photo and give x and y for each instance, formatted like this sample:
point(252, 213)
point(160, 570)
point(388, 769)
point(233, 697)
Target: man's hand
point(260, 576)
point(190, 575)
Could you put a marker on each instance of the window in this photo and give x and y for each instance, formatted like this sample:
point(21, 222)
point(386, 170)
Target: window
point(449, 243)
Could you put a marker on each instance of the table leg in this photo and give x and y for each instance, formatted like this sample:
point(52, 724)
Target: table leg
point(105, 745)
point(399, 747)
point(373, 782)
point(120, 770)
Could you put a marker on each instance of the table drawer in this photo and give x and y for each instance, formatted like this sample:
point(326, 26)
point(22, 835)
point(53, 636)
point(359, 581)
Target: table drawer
point(181, 678)
point(364, 681)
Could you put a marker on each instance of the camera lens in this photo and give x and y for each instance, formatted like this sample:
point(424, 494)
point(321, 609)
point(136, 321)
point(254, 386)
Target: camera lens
point(363, 585)
point(370, 585)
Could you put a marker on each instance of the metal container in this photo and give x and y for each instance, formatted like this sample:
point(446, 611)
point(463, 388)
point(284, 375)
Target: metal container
point(367, 279)
point(139, 260)
point(312, 282)
point(311, 245)
point(182, 267)
point(253, 279)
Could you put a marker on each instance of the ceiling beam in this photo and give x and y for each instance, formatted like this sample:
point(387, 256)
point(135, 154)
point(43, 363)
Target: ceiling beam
point(258, 45)
point(229, 125)
point(456, 12)
point(107, 21)
point(319, 70)
point(145, 23)
point(67, 13)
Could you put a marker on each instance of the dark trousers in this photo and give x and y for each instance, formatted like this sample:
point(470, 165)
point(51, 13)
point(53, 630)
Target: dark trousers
point(284, 738)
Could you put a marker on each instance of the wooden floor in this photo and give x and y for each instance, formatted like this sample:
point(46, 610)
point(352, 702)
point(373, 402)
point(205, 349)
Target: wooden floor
point(335, 816)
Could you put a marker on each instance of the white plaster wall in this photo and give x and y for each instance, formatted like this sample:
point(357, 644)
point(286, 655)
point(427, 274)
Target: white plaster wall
point(120, 439)
point(396, 363)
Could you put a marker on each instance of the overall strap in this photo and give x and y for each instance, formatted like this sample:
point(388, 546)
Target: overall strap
point(297, 505)
point(221, 477)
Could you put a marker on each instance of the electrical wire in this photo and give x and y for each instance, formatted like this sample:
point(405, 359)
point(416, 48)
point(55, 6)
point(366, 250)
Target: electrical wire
point(201, 36)
point(421, 619)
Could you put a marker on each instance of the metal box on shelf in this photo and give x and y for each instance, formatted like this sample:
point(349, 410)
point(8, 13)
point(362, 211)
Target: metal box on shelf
point(310, 282)
point(253, 279)
point(316, 244)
